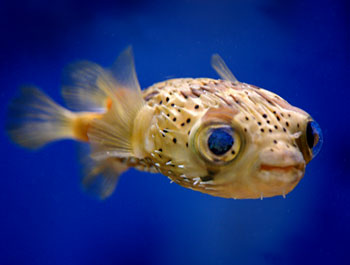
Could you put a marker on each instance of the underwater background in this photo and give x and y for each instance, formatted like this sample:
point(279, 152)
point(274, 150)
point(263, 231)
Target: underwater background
point(297, 49)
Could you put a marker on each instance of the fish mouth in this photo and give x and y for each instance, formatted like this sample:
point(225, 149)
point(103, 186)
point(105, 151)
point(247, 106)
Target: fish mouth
point(284, 168)
point(279, 178)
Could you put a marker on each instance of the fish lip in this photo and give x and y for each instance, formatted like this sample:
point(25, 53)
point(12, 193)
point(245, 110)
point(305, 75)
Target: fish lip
point(285, 168)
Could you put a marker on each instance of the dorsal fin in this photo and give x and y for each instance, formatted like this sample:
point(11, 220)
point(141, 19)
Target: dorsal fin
point(111, 135)
point(80, 89)
point(221, 68)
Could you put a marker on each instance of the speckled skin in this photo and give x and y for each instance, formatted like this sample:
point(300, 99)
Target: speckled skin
point(269, 161)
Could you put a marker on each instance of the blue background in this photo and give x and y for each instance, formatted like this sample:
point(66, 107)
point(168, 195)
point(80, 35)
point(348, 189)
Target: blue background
point(298, 49)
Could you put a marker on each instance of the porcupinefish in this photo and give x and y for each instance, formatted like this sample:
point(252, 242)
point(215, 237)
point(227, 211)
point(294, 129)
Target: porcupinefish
point(221, 137)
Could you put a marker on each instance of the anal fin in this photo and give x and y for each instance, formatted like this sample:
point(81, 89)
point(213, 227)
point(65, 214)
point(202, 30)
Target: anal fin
point(101, 177)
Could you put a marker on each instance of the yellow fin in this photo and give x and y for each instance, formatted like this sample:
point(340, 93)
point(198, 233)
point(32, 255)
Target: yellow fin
point(80, 88)
point(101, 177)
point(221, 68)
point(34, 119)
point(111, 135)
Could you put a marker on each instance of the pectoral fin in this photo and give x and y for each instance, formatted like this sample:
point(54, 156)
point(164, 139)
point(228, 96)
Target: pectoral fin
point(111, 135)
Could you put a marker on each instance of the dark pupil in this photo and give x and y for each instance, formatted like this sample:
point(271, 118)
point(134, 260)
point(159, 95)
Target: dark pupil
point(311, 135)
point(220, 141)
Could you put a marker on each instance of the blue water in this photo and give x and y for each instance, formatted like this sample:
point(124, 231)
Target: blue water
point(298, 49)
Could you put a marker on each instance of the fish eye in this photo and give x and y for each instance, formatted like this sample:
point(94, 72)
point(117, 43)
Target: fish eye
point(218, 143)
point(314, 138)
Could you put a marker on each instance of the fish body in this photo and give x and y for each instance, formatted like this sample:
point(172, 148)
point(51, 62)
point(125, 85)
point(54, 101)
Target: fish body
point(221, 137)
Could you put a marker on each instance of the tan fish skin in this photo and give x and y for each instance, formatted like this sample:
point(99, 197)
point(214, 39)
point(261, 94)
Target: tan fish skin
point(173, 127)
point(270, 164)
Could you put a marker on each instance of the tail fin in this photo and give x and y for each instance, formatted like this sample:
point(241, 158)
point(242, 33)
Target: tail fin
point(35, 120)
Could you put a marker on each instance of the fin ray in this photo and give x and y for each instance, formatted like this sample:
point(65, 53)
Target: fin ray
point(80, 89)
point(101, 177)
point(221, 68)
point(111, 135)
point(34, 119)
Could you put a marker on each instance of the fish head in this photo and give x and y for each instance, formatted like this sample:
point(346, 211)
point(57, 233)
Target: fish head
point(257, 147)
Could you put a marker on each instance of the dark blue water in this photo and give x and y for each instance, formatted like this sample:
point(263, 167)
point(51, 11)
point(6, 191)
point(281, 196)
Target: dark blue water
point(298, 49)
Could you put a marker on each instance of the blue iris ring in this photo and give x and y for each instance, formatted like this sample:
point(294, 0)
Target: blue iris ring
point(220, 141)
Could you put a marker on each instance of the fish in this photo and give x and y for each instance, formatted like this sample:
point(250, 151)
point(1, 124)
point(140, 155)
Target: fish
point(221, 137)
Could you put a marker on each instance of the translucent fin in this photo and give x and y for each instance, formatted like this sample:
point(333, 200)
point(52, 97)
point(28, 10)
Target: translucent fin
point(111, 135)
point(80, 89)
point(34, 119)
point(221, 68)
point(101, 177)
point(87, 86)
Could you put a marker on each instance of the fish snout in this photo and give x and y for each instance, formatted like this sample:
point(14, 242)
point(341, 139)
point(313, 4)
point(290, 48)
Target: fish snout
point(279, 171)
point(281, 158)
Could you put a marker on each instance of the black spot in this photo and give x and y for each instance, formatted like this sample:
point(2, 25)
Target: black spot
point(183, 124)
point(159, 156)
point(186, 144)
point(167, 99)
point(163, 134)
point(207, 178)
point(268, 121)
point(245, 129)
point(270, 130)
point(262, 130)
point(282, 115)
point(189, 132)
point(287, 123)
point(188, 120)
point(274, 141)
point(264, 116)
point(276, 127)
point(160, 150)
point(278, 118)
point(179, 110)
point(168, 114)
point(174, 119)
point(165, 130)
point(284, 129)
point(233, 152)
point(160, 102)
point(246, 118)
point(174, 140)
point(186, 97)
point(289, 115)
point(196, 107)
point(298, 125)
point(259, 123)
point(274, 112)
point(172, 104)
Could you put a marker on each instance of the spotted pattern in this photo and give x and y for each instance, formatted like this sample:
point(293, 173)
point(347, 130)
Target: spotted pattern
point(180, 104)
